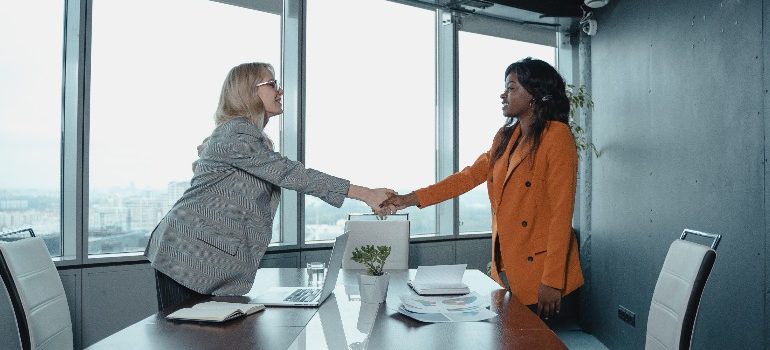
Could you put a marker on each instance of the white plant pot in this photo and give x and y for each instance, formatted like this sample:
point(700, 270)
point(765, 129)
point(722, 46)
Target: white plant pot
point(373, 288)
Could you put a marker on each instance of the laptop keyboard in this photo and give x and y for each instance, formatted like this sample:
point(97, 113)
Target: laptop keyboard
point(303, 295)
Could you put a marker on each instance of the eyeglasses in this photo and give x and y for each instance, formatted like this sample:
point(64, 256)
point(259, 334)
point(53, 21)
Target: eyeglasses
point(273, 83)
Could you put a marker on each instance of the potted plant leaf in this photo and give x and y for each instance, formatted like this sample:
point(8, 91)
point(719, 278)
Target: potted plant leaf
point(580, 98)
point(374, 284)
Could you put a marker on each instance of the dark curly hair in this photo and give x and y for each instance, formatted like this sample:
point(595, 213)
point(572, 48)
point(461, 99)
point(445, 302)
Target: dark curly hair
point(549, 99)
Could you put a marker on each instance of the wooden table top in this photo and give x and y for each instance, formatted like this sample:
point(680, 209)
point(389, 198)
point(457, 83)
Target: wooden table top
point(343, 322)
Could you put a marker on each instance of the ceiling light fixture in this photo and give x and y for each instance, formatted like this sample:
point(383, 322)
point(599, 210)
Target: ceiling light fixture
point(595, 4)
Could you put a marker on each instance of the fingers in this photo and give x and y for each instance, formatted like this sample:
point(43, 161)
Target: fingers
point(378, 196)
point(549, 301)
point(386, 210)
point(392, 201)
point(539, 308)
point(380, 212)
point(547, 311)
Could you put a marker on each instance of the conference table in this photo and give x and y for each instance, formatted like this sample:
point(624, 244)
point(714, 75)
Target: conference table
point(342, 322)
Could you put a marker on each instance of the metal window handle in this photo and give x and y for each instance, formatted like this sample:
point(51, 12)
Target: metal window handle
point(713, 236)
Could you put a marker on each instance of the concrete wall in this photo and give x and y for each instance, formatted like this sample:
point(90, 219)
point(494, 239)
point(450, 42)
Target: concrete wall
point(680, 108)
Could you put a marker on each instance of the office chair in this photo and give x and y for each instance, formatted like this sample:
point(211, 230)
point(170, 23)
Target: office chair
point(37, 295)
point(677, 294)
point(16, 235)
point(394, 233)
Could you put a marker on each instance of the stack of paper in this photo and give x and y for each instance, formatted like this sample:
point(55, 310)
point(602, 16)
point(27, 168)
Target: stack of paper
point(470, 307)
point(215, 311)
point(440, 279)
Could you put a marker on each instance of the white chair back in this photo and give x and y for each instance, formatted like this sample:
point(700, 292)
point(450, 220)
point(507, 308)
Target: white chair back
point(381, 232)
point(677, 294)
point(37, 295)
point(16, 235)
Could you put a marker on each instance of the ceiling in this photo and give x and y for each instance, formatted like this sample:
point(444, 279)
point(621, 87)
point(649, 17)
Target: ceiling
point(556, 14)
point(546, 8)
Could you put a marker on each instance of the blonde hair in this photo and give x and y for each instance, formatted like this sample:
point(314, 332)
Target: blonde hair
point(239, 96)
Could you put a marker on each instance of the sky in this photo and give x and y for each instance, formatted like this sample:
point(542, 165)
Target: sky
point(371, 92)
point(370, 97)
point(30, 99)
point(155, 87)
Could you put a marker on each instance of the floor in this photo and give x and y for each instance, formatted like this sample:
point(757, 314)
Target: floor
point(578, 340)
point(573, 336)
point(567, 327)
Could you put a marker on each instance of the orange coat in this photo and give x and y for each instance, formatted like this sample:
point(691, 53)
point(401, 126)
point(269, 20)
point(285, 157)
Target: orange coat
point(532, 205)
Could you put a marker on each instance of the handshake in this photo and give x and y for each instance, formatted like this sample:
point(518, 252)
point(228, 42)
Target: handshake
point(384, 201)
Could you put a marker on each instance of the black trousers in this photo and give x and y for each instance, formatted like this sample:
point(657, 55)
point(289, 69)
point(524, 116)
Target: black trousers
point(170, 292)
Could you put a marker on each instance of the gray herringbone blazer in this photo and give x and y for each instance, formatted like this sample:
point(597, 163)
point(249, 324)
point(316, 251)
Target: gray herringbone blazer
point(213, 238)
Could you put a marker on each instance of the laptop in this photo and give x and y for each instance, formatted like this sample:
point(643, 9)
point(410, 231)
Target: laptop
point(307, 296)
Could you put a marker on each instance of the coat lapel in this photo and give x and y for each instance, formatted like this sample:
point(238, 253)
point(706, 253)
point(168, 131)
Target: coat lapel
point(502, 168)
point(518, 155)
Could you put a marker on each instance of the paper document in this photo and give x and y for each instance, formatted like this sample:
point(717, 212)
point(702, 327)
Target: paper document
point(440, 279)
point(215, 311)
point(470, 307)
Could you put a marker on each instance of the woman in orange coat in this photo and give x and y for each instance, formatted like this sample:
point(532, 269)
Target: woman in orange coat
point(530, 172)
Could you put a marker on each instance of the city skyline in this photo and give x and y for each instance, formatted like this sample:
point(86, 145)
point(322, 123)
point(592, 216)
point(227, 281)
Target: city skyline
point(121, 221)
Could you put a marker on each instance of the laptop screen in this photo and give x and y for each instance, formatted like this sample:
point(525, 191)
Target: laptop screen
point(335, 264)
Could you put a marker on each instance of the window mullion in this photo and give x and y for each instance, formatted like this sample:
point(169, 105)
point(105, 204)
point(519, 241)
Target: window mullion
point(72, 181)
point(292, 131)
point(446, 115)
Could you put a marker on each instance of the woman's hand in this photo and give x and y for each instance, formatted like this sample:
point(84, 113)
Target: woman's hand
point(377, 196)
point(548, 301)
point(372, 197)
point(398, 202)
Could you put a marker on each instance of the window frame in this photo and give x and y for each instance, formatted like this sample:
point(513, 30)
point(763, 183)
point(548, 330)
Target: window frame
point(75, 122)
point(498, 28)
point(303, 243)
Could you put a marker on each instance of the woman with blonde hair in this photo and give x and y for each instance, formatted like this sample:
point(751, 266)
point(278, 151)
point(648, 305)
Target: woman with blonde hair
point(213, 238)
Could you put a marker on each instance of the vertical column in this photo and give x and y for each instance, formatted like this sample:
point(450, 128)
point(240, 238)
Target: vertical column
point(447, 24)
point(292, 121)
point(567, 64)
point(585, 177)
point(74, 219)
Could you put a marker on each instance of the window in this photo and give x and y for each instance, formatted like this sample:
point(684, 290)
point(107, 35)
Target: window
point(482, 63)
point(370, 104)
point(154, 89)
point(31, 118)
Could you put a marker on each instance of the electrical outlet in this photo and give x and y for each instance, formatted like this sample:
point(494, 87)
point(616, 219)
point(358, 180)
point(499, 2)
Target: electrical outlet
point(627, 315)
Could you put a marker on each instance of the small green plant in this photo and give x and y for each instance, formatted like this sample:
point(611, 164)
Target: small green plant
point(579, 98)
point(372, 257)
